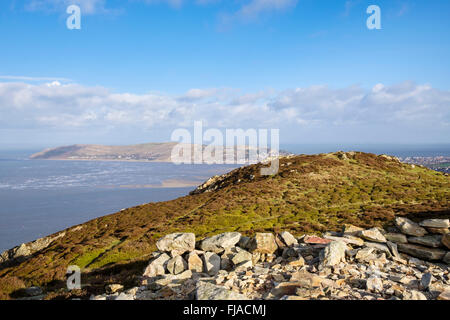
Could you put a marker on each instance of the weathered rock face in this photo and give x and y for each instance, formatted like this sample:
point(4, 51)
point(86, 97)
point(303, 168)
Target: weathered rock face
point(374, 284)
point(351, 230)
point(433, 241)
point(333, 254)
point(176, 265)
point(241, 256)
point(25, 250)
point(446, 240)
point(211, 263)
point(421, 252)
point(435, 223)
point(346, 239)
point(409, 227)
point(177, 243)
point(209, 291)
point(263, 243)
point(195, 263)
point(157, 266)
point(396, 237)
point(220, 242)
point(372, 235)
point(288, 238)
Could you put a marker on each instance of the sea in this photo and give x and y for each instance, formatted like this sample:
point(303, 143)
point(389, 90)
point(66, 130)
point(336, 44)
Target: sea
point(41, 197)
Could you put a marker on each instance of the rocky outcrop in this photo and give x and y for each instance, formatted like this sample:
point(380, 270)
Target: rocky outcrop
point(26, 250)
point(177, 243)
point(282, 266)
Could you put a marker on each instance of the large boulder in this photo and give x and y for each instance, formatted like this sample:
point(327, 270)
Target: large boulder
point(410, 227)
point(435, 223)
point(421, 252)
point(333, 253)
point(372, 235)
point(220, 242)
point(211, 263)
point(209, 291)
point(263, 243)
point(157, 266)
point(177, 243)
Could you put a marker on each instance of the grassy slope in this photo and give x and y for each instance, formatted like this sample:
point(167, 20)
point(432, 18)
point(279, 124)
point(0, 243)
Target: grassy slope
point(309, 194)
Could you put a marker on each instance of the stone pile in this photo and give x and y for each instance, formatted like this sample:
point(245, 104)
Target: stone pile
point(409, 262)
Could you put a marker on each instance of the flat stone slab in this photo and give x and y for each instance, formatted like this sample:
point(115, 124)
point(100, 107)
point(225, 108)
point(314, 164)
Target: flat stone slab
point(421, 252)
point(435, 223)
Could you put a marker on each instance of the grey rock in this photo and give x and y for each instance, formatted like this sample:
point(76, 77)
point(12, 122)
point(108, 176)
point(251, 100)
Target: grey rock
point(209, 291)
point(288, 238)
point(421, 252)
point(409, 227)
point(157, 266)
point(396, 237)
point(177, 243)
point(241, 256)
point(414, 295)
point(435, 223)
point(263, 243)
point(348, 239)
point(220, 242)
point(425, 281)
point(244, 242)
point(380, 247)
point(394, 249)
point(211, 263)
point(446, 240)
point(446, 258)
point(374, 284)
point(333, 253)
point(433, 241)
point(373, 234)
point(176, 265)
point(195, 263)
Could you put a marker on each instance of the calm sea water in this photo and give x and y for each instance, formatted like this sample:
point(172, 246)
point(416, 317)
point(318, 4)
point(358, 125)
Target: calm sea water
point(38, 198)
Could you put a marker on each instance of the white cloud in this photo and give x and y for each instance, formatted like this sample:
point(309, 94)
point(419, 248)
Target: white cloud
point(58, 106)
point(87, 6)
point(254, 8)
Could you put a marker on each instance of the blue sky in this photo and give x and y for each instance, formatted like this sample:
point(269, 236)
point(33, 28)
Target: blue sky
point(143, 67)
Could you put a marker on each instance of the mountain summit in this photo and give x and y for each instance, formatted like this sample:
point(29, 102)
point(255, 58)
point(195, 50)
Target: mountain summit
point(309, 194)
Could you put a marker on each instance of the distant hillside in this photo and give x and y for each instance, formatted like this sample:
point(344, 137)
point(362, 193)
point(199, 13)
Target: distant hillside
point(156, 152)
point(313, 193)
point(148, 152)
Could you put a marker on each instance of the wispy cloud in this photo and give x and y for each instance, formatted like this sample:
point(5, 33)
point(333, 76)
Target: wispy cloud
point(56, 105)
point(38, 79)
point(87, 6)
